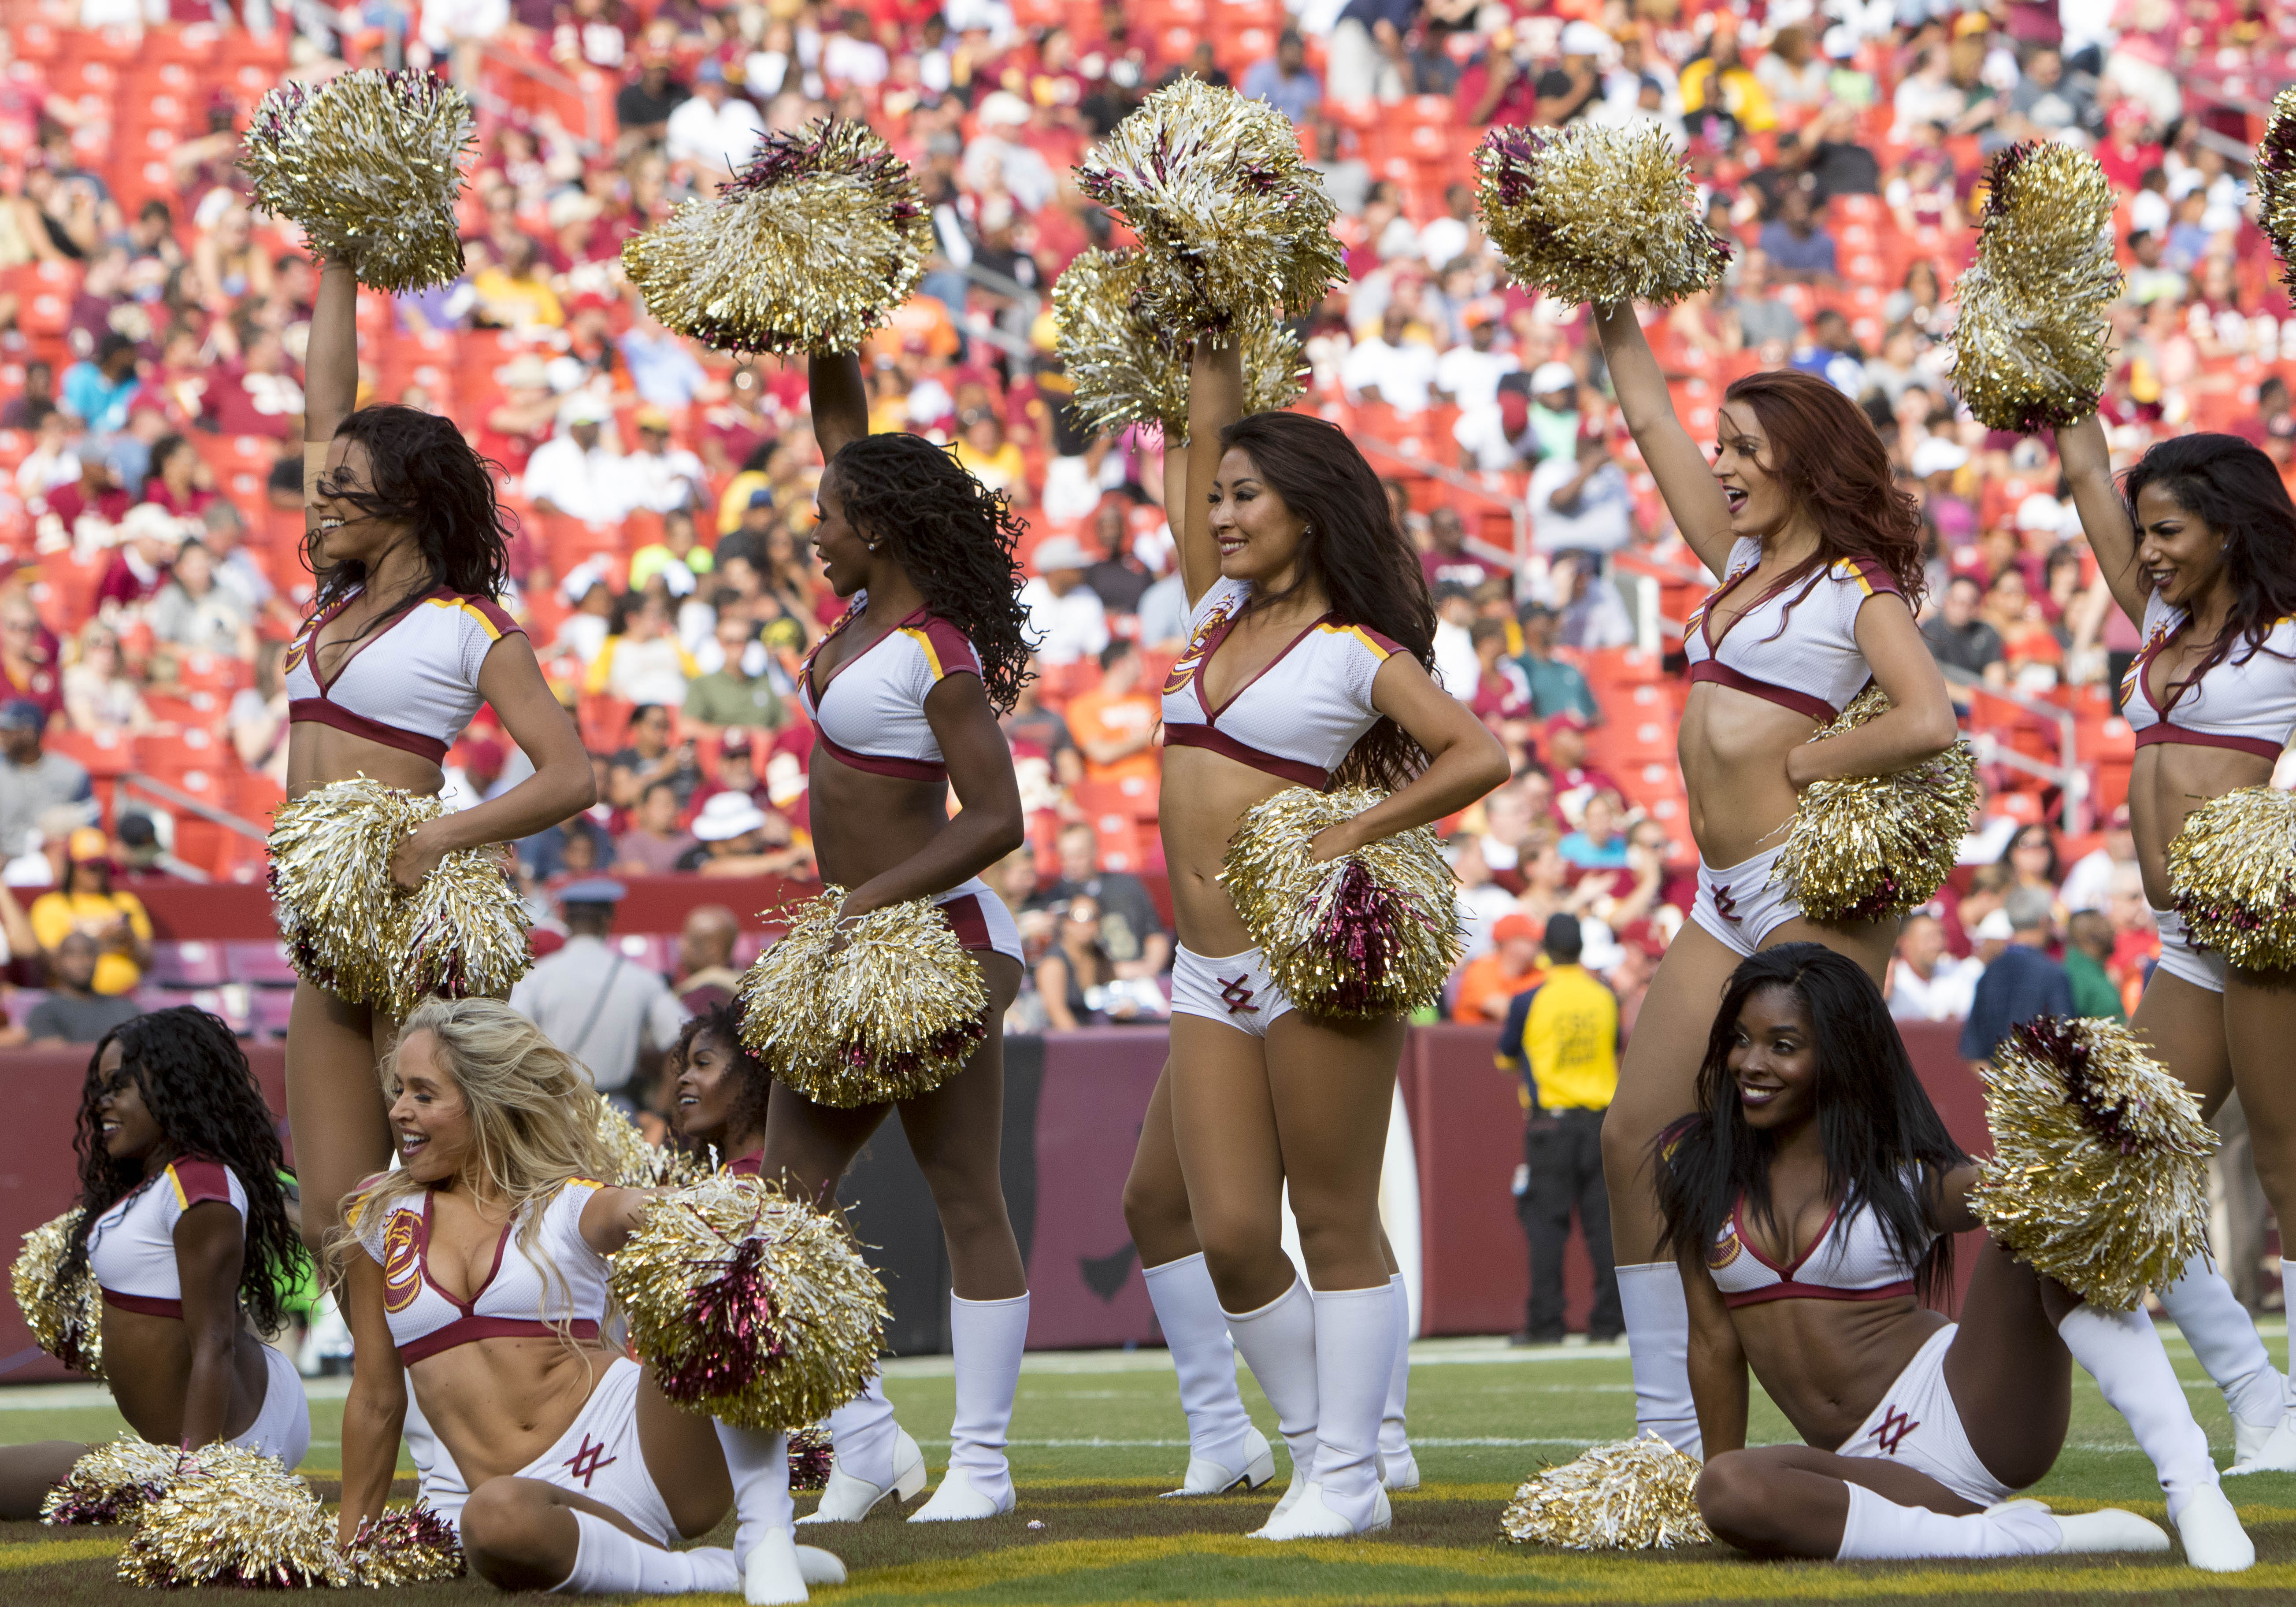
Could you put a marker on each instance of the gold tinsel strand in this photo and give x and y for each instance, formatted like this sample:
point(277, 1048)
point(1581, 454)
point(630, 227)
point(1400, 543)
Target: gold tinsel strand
point(2276, 181)
point(818, 240)
point(111, 1482)
point(1374, 932)
point(350, 931)
point(1600, 215)
point(2030, 343)
point(1633, 1494)
point(368, 164)
point(1231, 219)
point(66, 1321)
point(811, 1457)
point(406, 1545)
point(1128, 371)
point(2099, 1175)
point(638, 1164)
point(2231, 874)
point(1869, 848)
point(233, 1516)
point(892, 1013)
point(749, 1304)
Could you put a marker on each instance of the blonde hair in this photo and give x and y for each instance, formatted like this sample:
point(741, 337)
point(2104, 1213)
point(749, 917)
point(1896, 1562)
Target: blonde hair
point(533, 1114)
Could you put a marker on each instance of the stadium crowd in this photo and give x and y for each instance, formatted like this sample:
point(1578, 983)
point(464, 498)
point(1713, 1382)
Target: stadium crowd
point(150, 410)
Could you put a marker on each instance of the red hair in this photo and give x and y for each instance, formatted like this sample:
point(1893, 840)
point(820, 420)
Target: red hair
point(1832, 460)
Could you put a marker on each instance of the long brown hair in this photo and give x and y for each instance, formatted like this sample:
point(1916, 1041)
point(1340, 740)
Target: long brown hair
point(1833, 462)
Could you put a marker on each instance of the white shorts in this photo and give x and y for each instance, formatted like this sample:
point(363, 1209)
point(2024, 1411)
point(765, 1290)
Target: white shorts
point(1917, 1424)
point(1739, 904)
point(282, 1427)
point(1236, 991)
point(597, 1456)
point(980, 919)
point(2202, 967)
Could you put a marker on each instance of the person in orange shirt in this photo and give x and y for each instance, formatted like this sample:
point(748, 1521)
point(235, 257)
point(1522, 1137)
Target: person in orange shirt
point(1115, 724)
point(1489, 982)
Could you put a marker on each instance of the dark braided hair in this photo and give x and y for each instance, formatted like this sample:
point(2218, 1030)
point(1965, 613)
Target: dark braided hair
point(721, 1024)
point(428, 476)
point(196, 1082)
point(954, 537)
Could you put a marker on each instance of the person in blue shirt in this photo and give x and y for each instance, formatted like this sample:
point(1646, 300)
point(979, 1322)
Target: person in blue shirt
point(1283, 81)
point(2022, 982)
point(1598, 844)
point(98, 390)
point(1555, 687)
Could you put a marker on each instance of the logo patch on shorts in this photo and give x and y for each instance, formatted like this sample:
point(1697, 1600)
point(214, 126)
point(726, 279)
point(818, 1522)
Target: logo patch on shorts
point(1895, 1426)
point(584, 1464)
point(1238, 996)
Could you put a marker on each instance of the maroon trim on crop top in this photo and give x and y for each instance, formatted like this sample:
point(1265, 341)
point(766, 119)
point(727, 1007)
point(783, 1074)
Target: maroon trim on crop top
point(877, 764)
point(470, 1326)
point(1787, 1288)
point(323, 710)
point(1213, 740)
point(2185, 736)
point(149, 1305)
point(320, 712)
point(1738, 680)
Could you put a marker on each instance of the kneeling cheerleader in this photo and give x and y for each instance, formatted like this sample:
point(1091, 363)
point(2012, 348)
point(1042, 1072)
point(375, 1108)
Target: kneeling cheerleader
point(182, 1226)
point(1810, 1202)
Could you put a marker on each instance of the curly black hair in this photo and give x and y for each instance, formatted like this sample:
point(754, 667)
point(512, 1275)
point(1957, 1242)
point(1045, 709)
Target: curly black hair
point(197, 1084)
point(721, 1024)
point(427, 475)
point(957, 538)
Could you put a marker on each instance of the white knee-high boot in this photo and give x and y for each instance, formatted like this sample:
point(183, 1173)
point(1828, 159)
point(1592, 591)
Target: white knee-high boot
point(1224, 1449)
point(2123, 1353)
point(1398, 1467)
point(2225, 1342)
point(1355, 1361)
point(1278, 1344)
point(874, 1459)
point(609, 1561)
point(1658, 1342)
point(986, 1338)
point(1878, 1527)
point(774, 1568)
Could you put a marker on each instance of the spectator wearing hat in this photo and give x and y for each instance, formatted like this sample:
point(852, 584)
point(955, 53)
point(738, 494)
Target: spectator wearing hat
point(1561, 1038)
point(520, 423)
point(33, 781)
point(1489, 983)
point(575, 472)
point(149, 536)
point(1283, 81)
point(659, 476)
point(2021, 981)
point(1965, 647)
point(86, 903)
point(592, 1001)
point(2088, 884)
point(28, 657)
point(1068, 620)
point(1469, 376)
point(734, 837)
point(1447, 560)
point(713, 128)
point(74, 1012)
point(1575, 780)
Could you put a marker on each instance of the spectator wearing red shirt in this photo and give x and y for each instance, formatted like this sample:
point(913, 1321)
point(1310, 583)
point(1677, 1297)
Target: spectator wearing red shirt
point(259, 395)
point(1575, 780)
point(1446, 558)
point(148, 538)
point(179, 480)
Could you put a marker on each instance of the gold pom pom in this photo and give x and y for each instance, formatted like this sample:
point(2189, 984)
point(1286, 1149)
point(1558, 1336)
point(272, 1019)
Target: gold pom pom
point(2029, 338)
point(811, 1457)
point(638, 1164)
point(233, 1516)
point(1633, 1494)
point(750, 1306)
point(2099, 1175)
point(111, 1482)
point(2276, 181)
point(406, 1545)
point(351, 930)
point(65, 1319)
point(1231, 219)
point(1601, 215)
point(818, 240)
point(1374, 932)
point(2231, 870)
point(892, 1012)
point(1128, 371)
point(368, 164)
point(1869, 848)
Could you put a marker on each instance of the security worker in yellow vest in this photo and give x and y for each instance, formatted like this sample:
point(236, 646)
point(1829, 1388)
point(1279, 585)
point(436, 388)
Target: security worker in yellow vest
point(1561, 1038)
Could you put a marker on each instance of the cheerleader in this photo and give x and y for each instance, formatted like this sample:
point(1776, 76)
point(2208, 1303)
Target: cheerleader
point(476, 1270)
point(1310, 637)
point(2198, 548)
point(406, 637)
point(722, 1091)
point(903, 693)
point(1810, 1202)
point(1819, 555)
point(186, 1229)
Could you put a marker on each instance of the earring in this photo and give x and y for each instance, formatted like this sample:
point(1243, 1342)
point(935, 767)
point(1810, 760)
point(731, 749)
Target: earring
point(874, 545)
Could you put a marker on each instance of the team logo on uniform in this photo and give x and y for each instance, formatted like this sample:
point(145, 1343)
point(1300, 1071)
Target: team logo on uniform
point(1725, 1249)
point(402, 1260)
point(1186, 666)
point(1895, 1426)
point(584, 1464)
point(1725, 905)
point(294, 655)
point(1238, 996)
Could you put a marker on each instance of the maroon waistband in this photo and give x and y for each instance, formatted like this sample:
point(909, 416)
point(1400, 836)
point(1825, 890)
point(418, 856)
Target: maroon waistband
point(1791, 1290)
point(1785, 697)
point(2185, 736)
point(966, 919)
point(1296, 771)
point(907, 769)
point(321, 712)
point(149, 1305)
point(462, 1331)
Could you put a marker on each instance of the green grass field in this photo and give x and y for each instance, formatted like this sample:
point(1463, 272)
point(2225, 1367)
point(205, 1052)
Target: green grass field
point(1096, 1437)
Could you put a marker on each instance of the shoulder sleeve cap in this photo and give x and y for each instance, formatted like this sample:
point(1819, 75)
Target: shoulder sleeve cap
point(947, 651)
point(195, 1180)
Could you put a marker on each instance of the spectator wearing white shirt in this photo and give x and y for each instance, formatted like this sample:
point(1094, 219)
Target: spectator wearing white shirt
point(2088, 885)
point(852, 58)
point(658, 476)
point(998, 160)
point(716, 128)
point(1456, 667)
point(1068, 619)
point(1470, 376)
point(1444, 240)
point(1580, 504)
point(1386, 368)
point(1482, 900)
point(574, 473)
point(1926, 983)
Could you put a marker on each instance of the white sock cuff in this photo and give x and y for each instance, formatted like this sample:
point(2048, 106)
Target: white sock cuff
point(1298, 1290)
point(1020, 1299)
point(1175, 1269)
point(1377, 1291)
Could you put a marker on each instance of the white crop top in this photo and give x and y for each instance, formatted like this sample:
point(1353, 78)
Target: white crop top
point(1299, 725)
point(2248, 705)
point(1797, 646)
point(519, 1296)
point(131, 1250)
point(1850, 1259)
point(876, 721)
point(413, 684)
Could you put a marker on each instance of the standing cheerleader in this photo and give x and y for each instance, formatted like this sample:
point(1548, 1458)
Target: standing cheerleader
point(1819, 555)
point(2198, 548)
point(407, 638)
point(1811, 1200)
point(1310, 637)
point(903, 693)
point(184, 1228)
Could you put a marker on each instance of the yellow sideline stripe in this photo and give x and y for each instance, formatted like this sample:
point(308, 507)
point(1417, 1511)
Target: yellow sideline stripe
point(48, 1553)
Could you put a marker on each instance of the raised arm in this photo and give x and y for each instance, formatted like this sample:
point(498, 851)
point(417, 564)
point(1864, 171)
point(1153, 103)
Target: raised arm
point(839, 400)
point(1684, 477)
point(1215, 401)
point(2087, 462)
point(330, 367)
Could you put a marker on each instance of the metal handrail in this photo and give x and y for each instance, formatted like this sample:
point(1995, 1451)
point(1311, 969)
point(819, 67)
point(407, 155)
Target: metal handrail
point(1373, 445)
point(2066, 774)
point(175, 798)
